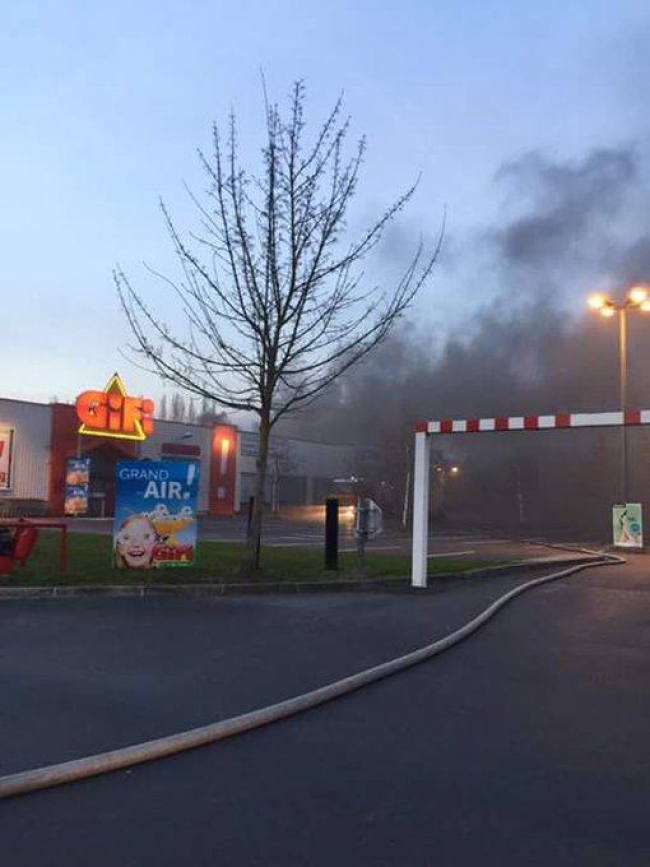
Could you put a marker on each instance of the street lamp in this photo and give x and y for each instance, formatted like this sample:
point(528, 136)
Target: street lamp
point(637, 298)
point(444, 470)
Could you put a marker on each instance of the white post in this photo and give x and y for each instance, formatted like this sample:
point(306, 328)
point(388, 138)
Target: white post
point(420, 510)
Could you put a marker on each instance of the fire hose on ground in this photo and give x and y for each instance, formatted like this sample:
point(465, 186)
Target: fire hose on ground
point(125, 757)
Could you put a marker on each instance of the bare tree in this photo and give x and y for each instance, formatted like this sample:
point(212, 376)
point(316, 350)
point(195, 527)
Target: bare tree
point(275, 308)
point(177, 407)
point(209, 413)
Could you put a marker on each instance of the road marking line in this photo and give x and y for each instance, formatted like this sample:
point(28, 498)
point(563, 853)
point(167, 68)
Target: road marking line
point(375, 548)
point(219, 539)
point(472, 541)
point(450, 554)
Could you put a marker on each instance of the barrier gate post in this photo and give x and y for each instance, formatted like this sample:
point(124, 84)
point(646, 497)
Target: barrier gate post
point(425, 429)
point(420, 509)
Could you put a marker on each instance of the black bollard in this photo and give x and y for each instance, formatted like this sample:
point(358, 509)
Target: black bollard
point(332, 533)
point(251, 505)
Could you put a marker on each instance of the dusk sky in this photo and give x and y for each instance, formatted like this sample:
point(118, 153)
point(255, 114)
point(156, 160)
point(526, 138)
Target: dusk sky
point(104, 106)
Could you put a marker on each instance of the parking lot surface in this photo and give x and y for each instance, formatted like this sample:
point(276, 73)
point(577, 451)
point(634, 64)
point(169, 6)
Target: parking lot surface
point(527, 744)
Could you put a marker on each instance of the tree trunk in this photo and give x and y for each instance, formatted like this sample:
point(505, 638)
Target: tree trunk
point(251, 559)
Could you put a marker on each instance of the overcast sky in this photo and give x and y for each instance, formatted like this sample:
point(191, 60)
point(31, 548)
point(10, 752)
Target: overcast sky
point(104, 105)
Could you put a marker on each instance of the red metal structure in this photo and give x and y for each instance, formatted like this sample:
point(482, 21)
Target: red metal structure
point(25, 537)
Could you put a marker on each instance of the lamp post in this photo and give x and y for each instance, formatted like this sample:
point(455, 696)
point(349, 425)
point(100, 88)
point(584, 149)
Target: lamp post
point(637, 298)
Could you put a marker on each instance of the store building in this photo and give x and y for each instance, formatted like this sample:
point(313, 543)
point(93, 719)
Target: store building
point(37, 441)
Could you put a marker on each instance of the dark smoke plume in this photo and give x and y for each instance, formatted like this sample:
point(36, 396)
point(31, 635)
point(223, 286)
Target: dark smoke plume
point(564, 228)
point(567, 210)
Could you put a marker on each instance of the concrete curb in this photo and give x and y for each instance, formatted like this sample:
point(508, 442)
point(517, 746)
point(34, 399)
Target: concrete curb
point(401, 585)
point(79, 769)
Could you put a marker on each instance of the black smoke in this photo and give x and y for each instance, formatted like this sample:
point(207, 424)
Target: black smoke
point(562, 228)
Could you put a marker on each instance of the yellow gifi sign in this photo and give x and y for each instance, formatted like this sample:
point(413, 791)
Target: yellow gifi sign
point(113, 413)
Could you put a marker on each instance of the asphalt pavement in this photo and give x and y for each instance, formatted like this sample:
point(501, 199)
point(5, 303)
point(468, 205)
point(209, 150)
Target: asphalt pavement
point(310, 533)
point(526, 745)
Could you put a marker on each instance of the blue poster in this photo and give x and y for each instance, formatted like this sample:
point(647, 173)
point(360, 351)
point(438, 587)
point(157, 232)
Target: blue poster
point(77, 481)
point(155, 514)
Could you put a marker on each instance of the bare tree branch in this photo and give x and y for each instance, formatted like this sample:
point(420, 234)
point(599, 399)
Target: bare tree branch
point(275, 302)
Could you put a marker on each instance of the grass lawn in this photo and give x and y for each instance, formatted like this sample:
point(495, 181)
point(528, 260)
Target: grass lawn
point(89, 559)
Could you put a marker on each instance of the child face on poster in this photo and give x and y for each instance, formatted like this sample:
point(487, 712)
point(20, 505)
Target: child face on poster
point(135, 542)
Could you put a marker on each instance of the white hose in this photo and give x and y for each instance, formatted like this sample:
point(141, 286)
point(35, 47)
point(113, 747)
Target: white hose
point(79, 769)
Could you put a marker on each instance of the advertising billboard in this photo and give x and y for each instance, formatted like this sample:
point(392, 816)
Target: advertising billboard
point(77, 482)
point(6, 448)
point(628, 525)
point(155, 514)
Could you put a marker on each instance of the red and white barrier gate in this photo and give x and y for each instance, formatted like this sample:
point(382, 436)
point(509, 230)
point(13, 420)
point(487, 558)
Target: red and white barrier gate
point(424, 430)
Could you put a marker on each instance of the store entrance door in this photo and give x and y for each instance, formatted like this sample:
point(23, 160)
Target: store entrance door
point(103, 461)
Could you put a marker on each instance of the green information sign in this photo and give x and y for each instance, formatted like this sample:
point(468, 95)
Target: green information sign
point(628, 525)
